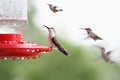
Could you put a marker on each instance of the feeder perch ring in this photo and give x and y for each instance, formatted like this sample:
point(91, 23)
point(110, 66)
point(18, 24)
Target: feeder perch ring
point(12, 46)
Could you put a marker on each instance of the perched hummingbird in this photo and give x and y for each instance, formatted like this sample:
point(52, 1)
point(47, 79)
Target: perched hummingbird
point(92, 34)
point(54, 8)
point(106, 56)
point(54, 42)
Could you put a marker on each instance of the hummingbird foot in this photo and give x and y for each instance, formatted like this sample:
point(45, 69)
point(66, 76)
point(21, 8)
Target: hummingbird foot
point(51, 47)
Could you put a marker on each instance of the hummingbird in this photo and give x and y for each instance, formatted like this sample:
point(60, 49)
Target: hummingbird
point(54, 8)
point(106, 55)
point(91, 34)
point(54, 42)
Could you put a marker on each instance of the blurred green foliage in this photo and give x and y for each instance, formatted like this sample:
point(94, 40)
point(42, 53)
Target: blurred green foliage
point(81, 64)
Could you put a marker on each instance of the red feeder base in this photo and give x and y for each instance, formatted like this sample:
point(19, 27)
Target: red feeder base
point(12, 46)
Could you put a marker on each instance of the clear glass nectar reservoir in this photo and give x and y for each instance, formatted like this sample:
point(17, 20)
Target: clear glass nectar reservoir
point(13, 16)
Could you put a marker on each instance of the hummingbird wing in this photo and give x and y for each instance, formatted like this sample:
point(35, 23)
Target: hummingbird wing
point(54, 8)
point(51, 7)
point(108, 53)
point(95, 36)
point(59, 46)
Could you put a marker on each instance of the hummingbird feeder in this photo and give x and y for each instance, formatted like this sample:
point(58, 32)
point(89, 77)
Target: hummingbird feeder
point(13, 20)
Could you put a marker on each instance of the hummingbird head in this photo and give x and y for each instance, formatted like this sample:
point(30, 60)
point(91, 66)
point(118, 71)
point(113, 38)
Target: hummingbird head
point(51, 30)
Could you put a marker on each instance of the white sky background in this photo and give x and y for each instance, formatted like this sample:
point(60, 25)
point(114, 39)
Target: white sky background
point(103, 16)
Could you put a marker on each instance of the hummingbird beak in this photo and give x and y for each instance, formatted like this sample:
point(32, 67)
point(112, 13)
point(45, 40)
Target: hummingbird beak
point(82, 28)
point(46, 26)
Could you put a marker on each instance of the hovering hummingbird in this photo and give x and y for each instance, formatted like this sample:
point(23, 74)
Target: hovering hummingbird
point(106, 55)
point(54, 42)
point(54, 8)
point(92, 34)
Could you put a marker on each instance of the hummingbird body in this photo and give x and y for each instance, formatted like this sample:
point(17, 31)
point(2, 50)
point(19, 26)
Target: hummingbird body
point(54, 8)
point(54, 42)
point(106, 55)
point(91, 34)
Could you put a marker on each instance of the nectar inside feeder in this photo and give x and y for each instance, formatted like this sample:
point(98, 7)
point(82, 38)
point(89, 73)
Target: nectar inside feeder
point(13, 20)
